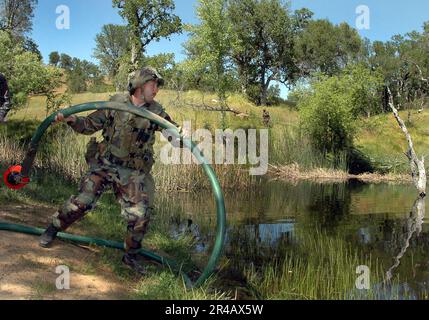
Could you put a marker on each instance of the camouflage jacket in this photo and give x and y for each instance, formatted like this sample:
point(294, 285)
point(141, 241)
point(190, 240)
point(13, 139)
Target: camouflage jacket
point(128, 139)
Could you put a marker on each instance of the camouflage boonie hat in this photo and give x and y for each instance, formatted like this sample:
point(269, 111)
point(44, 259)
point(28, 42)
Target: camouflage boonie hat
point(144, 75)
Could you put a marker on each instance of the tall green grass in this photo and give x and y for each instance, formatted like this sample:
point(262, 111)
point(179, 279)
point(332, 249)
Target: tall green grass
point(288, 145)
point(318, 267)
point(381, 139)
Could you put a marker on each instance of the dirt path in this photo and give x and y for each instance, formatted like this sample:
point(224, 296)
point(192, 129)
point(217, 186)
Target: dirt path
point(27, 271)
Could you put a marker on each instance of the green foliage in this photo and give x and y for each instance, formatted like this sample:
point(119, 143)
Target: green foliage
point(273, 95)
point(65, 61)
point(83, 73)
point(167, 286)
point(121, 79)
point(29, 45)
point(111, 44)
point(76, 82)
point(404, 63)
point(264, 33)
point(54, 58)
point(330, 107)
point(223, 121)
point(16, 16)
point(364, 86)
point(163, 63)
point(327, 115)
point(25, 72)
point(147, 21)
point(327, 48)
point(209, 46)
point(185, 76)
point(54, 100)
point(29, 74)
point(243, 44)
point(262, 46)
point(319, 266)
point(299, 92)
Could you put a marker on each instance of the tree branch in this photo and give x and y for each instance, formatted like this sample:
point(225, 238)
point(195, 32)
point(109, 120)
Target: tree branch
point(420, 71)
point(203, 106)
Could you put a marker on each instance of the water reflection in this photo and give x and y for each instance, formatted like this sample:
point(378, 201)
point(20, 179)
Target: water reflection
point(413, 225)
point(262, 223)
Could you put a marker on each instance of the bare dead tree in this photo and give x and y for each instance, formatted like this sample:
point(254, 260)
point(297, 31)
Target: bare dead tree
point(413, 226)
point(418, 171)
point(204, 106)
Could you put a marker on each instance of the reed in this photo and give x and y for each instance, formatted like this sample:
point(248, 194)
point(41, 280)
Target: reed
point(318, 267)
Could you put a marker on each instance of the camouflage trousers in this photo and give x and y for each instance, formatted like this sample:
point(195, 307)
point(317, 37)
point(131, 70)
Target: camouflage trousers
point(133, 189)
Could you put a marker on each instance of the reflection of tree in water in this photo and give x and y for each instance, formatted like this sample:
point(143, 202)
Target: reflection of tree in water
point(324, 206)
point(258, 243)
point(418, 173)
point(413, 226)
point(330, 204)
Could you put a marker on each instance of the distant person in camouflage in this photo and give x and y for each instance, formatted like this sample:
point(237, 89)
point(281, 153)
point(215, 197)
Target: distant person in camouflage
point(266, 118)
point(123, 161)
point(5, 104)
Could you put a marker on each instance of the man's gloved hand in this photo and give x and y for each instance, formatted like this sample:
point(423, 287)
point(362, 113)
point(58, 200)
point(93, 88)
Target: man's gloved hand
point(184, 132)
point(69, 120)
point(176, 142)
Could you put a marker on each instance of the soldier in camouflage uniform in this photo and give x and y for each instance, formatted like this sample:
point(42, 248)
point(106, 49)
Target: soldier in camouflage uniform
point(123, 160)
point(4, 98)
point(266, 118)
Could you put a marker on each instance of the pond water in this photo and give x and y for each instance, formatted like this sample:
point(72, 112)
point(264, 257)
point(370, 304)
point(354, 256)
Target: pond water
point(381, 220)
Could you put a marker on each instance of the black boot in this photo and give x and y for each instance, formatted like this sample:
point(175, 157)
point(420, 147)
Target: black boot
point(131, 261)
point(48, 236)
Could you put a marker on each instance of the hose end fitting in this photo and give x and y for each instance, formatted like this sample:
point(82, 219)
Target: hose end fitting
point(13, 178)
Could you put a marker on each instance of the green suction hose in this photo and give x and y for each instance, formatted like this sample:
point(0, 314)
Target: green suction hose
point(103, 105)
point(99, 242)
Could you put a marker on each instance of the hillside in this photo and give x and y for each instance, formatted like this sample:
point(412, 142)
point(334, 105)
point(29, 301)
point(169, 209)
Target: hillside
point(379, 137)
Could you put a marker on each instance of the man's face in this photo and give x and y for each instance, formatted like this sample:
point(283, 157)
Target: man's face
point(149, 91)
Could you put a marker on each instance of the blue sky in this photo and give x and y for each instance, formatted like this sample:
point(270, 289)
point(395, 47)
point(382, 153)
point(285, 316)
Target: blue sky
point(387, 18)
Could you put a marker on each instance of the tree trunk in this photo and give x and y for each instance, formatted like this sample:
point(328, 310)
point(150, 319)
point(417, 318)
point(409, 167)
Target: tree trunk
point(418, 171)
point(134, 61)
point(413, 225)
point(263, 96)
point(263, 89)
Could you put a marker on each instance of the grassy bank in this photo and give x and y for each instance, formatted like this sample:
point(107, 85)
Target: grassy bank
point(381, 139)
point(293, 172)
